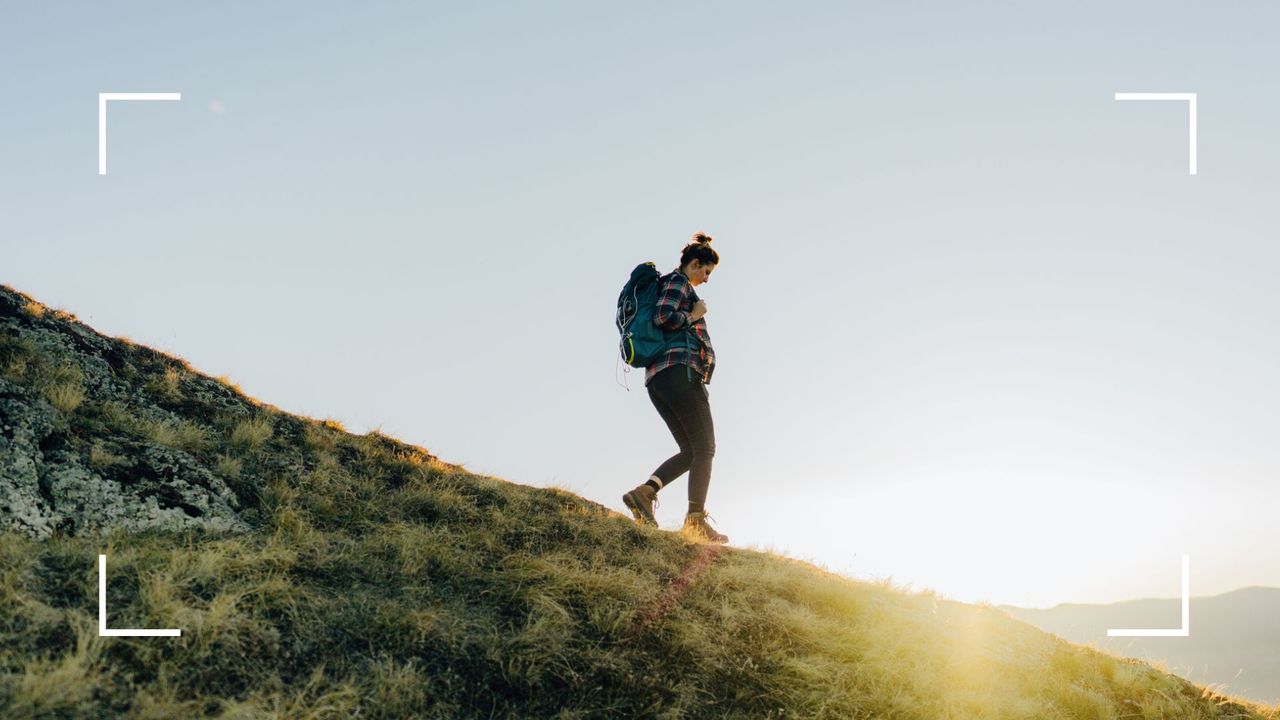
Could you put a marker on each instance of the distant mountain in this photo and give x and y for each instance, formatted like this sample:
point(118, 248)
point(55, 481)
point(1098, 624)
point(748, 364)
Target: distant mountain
point(1234, 640)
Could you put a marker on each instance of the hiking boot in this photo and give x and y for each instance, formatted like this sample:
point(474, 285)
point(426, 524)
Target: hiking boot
point(696, 527)
point(641, 502)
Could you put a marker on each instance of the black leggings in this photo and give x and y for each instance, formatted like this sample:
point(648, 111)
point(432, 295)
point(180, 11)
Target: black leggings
point(685, 406)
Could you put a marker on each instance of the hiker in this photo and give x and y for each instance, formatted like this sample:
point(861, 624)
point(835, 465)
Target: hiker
point(676, 383)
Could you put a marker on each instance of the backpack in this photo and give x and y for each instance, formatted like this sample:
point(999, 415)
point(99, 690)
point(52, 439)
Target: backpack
point(642, 343)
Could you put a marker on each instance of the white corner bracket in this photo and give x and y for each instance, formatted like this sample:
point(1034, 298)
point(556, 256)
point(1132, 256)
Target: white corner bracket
point(1185, 630)
point(102, 118)
point(1191, 107)
point(103, 630)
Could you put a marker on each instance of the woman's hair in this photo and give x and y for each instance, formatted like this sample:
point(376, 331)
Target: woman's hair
point(699, 248)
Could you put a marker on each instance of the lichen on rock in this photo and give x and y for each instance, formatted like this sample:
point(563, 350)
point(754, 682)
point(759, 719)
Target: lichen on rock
point(48, 480)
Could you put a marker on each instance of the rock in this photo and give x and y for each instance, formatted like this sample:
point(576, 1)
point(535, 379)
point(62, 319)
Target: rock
point(47, 483)
point(24, 507)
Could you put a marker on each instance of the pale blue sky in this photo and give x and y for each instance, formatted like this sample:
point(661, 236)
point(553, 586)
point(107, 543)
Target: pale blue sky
point(977, 328)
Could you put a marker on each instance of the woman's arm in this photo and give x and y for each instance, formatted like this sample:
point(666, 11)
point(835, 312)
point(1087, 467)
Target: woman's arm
point(669, 316)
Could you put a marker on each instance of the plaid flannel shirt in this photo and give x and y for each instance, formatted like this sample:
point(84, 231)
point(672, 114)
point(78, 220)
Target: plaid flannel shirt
point(675, 301)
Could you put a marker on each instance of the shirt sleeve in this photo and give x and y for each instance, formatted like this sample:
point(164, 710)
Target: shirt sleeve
point(669, 316)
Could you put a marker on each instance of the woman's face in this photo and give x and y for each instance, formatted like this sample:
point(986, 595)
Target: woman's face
point(699, 273)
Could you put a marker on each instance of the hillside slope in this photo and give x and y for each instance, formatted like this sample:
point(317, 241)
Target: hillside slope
point(320, 574)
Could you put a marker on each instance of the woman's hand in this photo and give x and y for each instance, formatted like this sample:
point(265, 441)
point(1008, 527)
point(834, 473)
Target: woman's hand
point(699, 309)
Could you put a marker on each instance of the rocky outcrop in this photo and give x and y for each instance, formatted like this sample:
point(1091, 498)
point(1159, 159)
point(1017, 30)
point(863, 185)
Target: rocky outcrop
point(69, 466)
point(47, 486)
point(100, 433)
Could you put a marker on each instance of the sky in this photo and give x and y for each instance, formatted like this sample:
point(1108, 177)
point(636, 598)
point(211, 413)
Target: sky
point(978, 329)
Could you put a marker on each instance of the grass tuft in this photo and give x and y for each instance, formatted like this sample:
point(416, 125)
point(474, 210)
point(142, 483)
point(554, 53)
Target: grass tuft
point(251, 433)
point(166, 386)
point(228, 467)
point(66, 397)
point(100, 457)
point(177, 434)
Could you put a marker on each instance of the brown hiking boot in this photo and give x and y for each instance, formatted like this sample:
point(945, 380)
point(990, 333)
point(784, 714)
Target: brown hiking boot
point(641, 502)
point(696, 527)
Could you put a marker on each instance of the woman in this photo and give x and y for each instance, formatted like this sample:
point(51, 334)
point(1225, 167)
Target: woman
point(677, 387)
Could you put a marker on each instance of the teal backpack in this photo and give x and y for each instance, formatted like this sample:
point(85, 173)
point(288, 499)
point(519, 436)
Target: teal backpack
point(642, 343)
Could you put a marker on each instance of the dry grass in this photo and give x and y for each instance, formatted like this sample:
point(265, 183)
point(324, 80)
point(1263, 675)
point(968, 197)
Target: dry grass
point(457, 596)
point(177, 434)
point(227, 466)
point(226, 380)
point(57, 685)
point(101, 457)
point(35, 309)
point(15, 368)
point(166, 386)
point(117, 415)
point(251, 433)
point(320, 439)
point(17, 356)
point(66, 397)
point(63, 387)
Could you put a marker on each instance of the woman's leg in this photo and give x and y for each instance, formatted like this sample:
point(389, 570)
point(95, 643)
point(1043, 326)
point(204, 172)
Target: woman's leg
point(660, 390)
point(689, 406)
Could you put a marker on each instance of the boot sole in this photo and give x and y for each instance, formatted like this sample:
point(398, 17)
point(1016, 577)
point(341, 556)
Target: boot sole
point(637, 510)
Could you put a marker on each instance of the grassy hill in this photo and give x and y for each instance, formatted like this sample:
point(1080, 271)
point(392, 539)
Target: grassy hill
point(320, 574)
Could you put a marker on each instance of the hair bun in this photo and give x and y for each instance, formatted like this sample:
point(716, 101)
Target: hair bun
point(699, 248)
